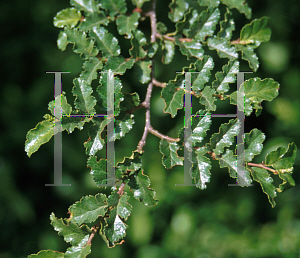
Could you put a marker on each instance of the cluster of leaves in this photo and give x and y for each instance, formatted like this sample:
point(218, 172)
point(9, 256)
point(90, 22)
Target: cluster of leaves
point(84, 26)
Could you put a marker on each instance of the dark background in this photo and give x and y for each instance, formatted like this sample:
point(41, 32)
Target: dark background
point(220, 221)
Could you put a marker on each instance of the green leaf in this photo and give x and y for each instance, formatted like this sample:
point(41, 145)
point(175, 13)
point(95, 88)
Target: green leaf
point(88, 6)
point(201, 73)
point(137, 42)
point(183, 26)
point(139, 3)
point(93, 20)
point(65, 107)
point(226, 26)
point(84, 99)
point(168, 51)
point(82, 44)
point(152, 49)
point(123, 124)
point(178, 8)
point(88, 209)
point(47, 254)
point(107, 43)
point(221, 84)
point(95, 142)
point(248, 55)
point(208, 98)
point(41, 134)
point(161, 28)
point(253, 143)
point(67, 17)
point(71, 232)
point(128, 166)
point(115, 229)
point(62, 41)
point(204, 25)
point(200, 171)
point(263, 177)
point(91, 67)
point(173, 98)
point(170, 157)
point(78, 251)
point(143, 69)
point(221, 45)
point(118, 64)
point(113, 7)
point(126, 24)
point(211, 3)
point(225, 137)
point(256, 32)
point(235, 167)
point(98, 171)
point(70, 123)
point(139, 185)
point(192, 48)
point(240, 5)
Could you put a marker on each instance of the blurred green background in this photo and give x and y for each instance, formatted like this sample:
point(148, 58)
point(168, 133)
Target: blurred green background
point(220, 221)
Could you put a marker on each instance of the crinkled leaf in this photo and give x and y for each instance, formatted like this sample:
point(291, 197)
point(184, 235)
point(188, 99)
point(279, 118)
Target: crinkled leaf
point(115, 229)
point(62, 40)
point(183, 26)
point(205, 24)
point(256, 32)
point(126, 24)
point(226, 26)
point(118, 64)
point(139, 3)
point(47, 254)
point(41, 134)
point(65, 107)
point(152, 49)
point(143, 69)
point(253, 143)
point(78, 251)
point(208, 98)
point(67, 17)
point(200, 171)
point(178, 8)
point(93, 20)
point(244, 104)
point(84, 100)
point(161, 28)
point(168, 52)
point(201, 73)
point(123, 124)
point(173, 98)
point(288, 181)
point(169, 150)
point(212, 3)
point(114, 7)
point(249, 55)
point(88, 6)
point(88, 209)
point(235, 167)
point(128, 166)
point(263, 177)
point(139, 185)
point(225, 137)
point(106, 41)
point(98, 171)
point(71, 232)
point(82, 44)
point(192, 48)
point(137, 41)
point(223, 48)
point(240, 5)
point(91, 67)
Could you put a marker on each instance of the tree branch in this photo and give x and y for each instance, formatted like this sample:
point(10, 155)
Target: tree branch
point(171, 38)
point(162, 136)
point(275, 172)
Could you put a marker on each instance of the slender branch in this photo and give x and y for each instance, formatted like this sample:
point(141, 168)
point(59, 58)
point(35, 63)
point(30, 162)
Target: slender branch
point(159, 84)
point(162, 136)
point(94, 231)
point(171, 38)
point(275, 172)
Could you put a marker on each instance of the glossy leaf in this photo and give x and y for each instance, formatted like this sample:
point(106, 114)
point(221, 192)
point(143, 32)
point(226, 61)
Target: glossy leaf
point(113, 7)
point(256, 32)
point(123, 124)
point(205, 25)
point(65, 107)
point(170, 157)
point(115, 229)
point(178, 8)
point(47, 254)
point(173, 98)
point(67, 17)
point(71, 232)
point(221, 45)
point(235, 168)
point(240, 5)
point(143, 69)
point(192, 48)
point(200, 171)
point(249, 55)
point(139, 185)
point(88, 209)
point(168, 52)
point(80, 251)
point(225, 137)
point(202, 70)
point(128, 166)
point(212, 3)
point(98, 171)
point(207, 98)
point(226, 26)
point(91, 67)
point(126, 24)
point(88, 6)
point(253, 143)
point(263, 177)
point(139, 3)
point(221, 84)
point(137, 42)
point(82, 44)
point(84, 100)
point(106, 41)
point(62, 41)
point(95, 19)
point(118, 64)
